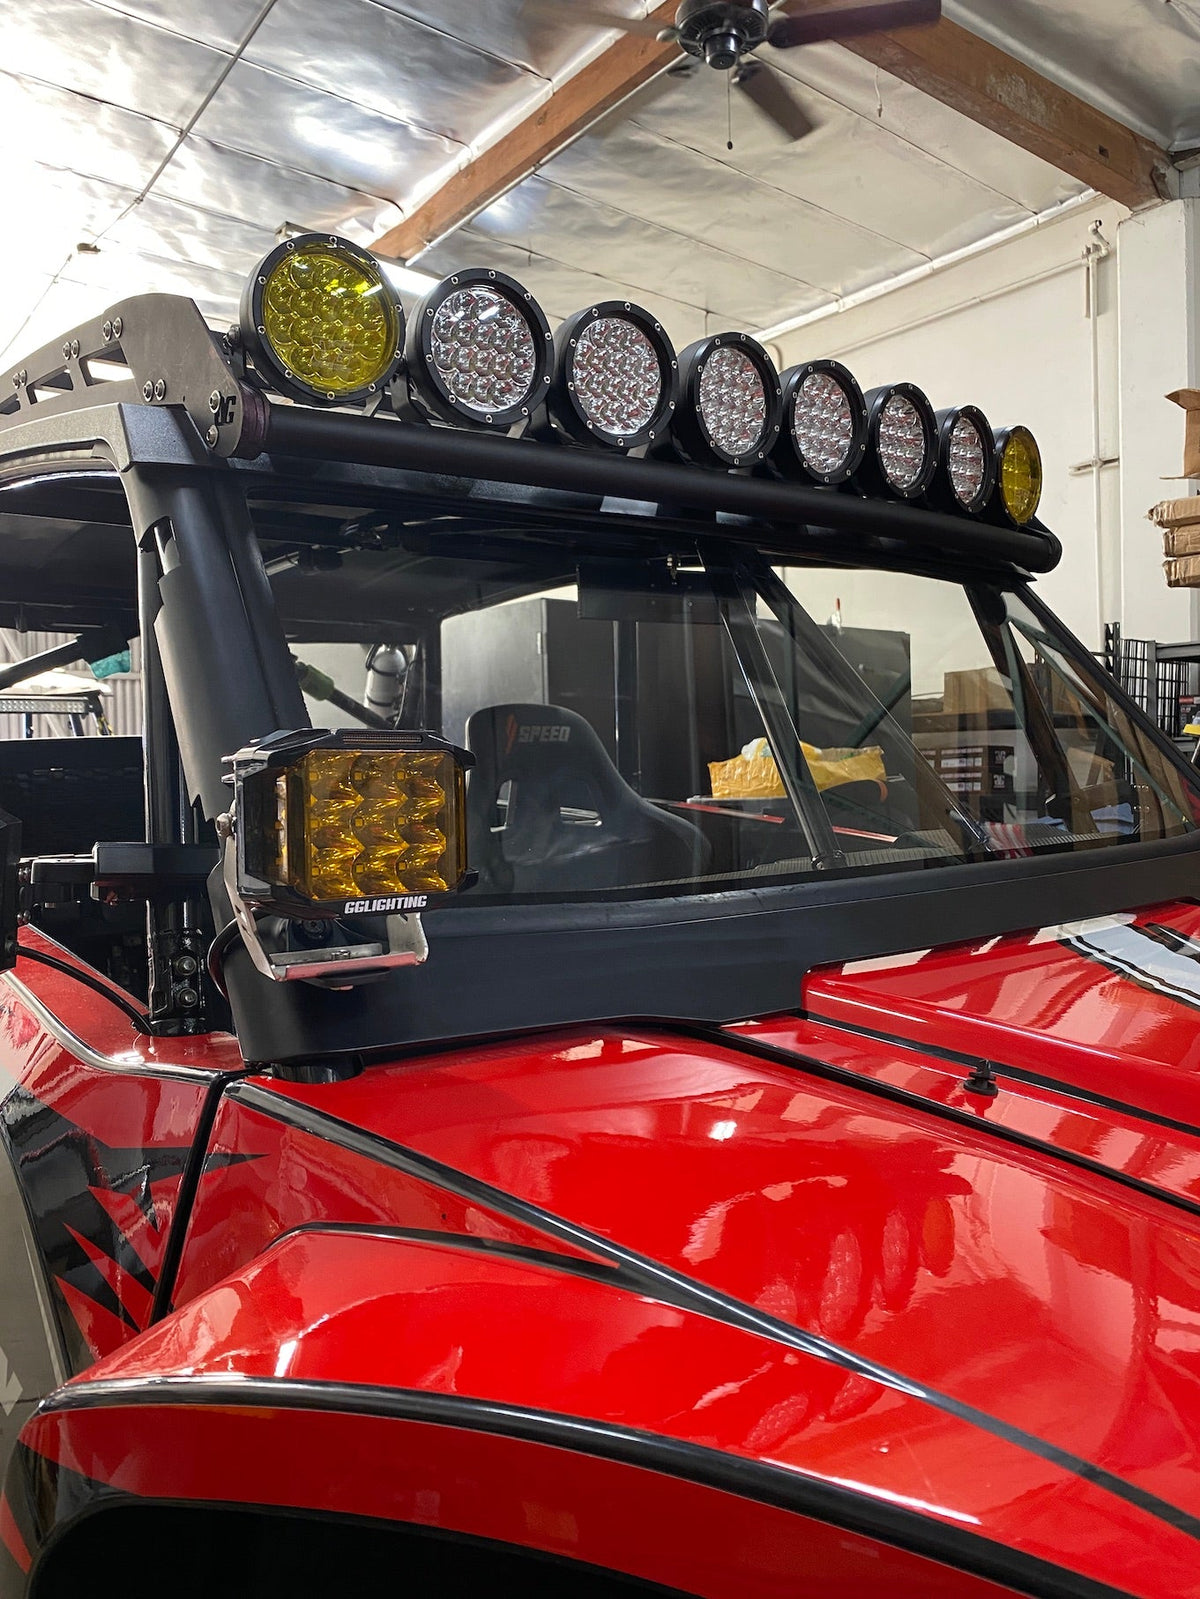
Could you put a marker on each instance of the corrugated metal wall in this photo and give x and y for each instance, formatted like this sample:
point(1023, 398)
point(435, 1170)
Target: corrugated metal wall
point(123, 702)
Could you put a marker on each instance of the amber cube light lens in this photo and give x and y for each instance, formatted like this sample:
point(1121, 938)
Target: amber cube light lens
point(330, 320)
point(363, 824)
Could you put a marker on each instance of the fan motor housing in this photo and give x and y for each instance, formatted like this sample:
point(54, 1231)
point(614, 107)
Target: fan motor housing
point(720, 32)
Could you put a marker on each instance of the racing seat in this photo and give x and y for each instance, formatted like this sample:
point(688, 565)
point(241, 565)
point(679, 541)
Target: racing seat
point(548, 812)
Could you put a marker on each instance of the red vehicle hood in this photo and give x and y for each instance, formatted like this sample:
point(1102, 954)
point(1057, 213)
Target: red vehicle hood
point(1110, 1006)
point(987, 1308)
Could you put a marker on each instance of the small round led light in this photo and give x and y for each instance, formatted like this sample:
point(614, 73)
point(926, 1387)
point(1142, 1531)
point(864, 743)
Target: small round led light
point(731, 404)
point(967, 460)
point(321, 322)
point(614, 376)
point(824, 435)
point(479, 351)
point(901, 458)
point(1020, 474)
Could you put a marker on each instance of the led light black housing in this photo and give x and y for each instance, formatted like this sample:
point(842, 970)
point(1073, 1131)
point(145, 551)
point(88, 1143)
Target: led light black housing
point(614, 376)
point(824, 434)
point(479, 351)
point(966, 475)
point(901, 458)
point(730, 402)
point(321, 322)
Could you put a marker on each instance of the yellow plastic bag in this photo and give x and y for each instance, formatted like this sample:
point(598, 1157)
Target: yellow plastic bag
point(754, 775)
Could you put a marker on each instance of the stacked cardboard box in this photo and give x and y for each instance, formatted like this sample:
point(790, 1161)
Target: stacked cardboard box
point(1180, 519)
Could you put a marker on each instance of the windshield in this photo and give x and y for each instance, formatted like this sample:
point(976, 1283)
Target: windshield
point(651, 719)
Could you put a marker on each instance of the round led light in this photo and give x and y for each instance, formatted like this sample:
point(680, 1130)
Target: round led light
point(732, 401)
point(1020, 474)
point(321, 322)
point(613, 377)
point(824, 436)
point(967, 461)
point(479, 351)
point(902, 453)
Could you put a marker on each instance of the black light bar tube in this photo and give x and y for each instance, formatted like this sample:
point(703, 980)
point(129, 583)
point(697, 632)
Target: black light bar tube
point(385, 442)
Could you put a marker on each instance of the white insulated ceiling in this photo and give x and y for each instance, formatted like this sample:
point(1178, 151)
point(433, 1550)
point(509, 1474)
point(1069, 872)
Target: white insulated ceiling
point(177, 137)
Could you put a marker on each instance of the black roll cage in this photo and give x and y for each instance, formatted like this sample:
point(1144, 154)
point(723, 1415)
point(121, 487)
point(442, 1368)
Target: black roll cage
point(218, 674)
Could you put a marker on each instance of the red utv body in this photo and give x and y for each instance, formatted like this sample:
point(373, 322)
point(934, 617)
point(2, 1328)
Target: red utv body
point(749, 1196)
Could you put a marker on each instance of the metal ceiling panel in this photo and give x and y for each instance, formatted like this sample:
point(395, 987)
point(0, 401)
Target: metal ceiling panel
point(119, 147)
point(926, 124)
point(263, 114)
point(111, 57)
point(850, 167)
point(383, 61)
point(172, 231)
point(560, 289)
point(545, 41)
point(1139, 60)
point(633, 170)
point(221, 23)
point(234, 184)
point(598, 238)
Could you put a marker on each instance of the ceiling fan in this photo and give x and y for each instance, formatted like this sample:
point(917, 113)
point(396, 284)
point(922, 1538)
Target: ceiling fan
point(723, 34)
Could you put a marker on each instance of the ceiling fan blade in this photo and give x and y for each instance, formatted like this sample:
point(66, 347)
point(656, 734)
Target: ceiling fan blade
point(846, 22)
point(587, 15)
point(774, 99)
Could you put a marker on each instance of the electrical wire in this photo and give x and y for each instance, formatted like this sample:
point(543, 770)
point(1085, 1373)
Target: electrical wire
point(86, 978)
point(216, 956)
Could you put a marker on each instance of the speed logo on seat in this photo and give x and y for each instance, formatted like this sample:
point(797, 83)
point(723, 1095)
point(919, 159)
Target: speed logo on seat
point(534, 733)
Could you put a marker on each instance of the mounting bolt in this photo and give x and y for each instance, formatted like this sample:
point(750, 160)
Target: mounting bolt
point(186, 966)
point(106, 331)
point(74, 348)
point(211, 437)
point(982, 1081)
point(147, 391)
point(187, 998)
point(160, 390)
point(214, 401)
point(118, 327)
point(66, 349)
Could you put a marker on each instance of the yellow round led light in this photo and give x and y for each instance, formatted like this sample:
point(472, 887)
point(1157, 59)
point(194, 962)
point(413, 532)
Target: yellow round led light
point(1020, 474)
point(321, 321)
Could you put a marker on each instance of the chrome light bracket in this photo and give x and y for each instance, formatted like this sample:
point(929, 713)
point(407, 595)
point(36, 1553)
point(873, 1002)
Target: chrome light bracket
point(334, 965)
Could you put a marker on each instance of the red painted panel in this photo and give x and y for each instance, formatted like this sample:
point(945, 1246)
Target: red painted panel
point(1112, 1004)
point(618, 1517)
point(401, 1316)
point(1046, 1297)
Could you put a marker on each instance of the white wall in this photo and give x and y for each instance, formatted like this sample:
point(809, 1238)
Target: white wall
point(1010, 330)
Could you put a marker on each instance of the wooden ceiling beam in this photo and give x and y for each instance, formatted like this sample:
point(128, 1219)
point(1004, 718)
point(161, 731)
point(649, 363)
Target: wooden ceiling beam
point(633, 60)
point(993, 88)
point(947, 62)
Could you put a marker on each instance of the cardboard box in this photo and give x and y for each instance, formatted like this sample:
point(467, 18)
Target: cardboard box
point(1189, 399)
point(1176, 513)
point(976, 692)
point(1183, 572)
point(1182, 541)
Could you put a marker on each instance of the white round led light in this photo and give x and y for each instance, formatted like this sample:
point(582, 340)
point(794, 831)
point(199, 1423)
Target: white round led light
point(902, 458)
point(825, 423)
point(903, 445)
point(967, 460)
point(483, 350)
point(730, 402)
point(479, 351)
point(614, 377)
point(618, 380)
point(733, 401)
